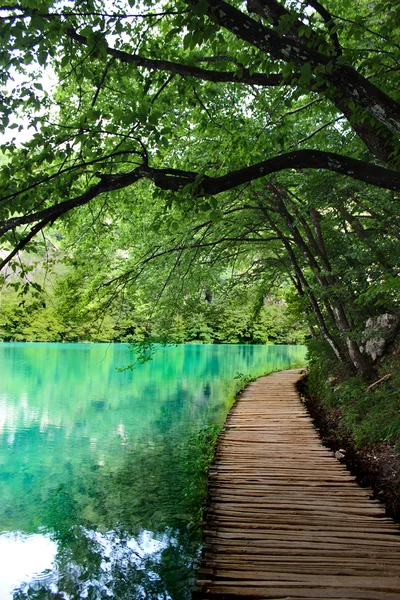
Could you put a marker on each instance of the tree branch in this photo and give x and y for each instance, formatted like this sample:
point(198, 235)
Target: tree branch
point(189, 246)
point(75, 167)
point(320, 128)
point(176, 180)
point(344, 78)
point(327, 17)
point(185, 70)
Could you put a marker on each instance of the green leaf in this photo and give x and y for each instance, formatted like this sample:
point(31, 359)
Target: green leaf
point(329, 67)
point(86, 31)
point(42, 57)
point(187, 189)
point(200, 8)
point(306, 72)
point(213, 202)
point(287, 70)
point(197, 38)
point(38, 23)
point(154, 118)
point(187, 40)
point(215, 216)
point(93, 114)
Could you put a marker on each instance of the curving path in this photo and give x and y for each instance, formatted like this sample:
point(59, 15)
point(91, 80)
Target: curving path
point(285, 519)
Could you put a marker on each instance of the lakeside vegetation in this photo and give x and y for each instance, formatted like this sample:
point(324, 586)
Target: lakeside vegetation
point(360, 421)
point(50, 316)
point(365, 414)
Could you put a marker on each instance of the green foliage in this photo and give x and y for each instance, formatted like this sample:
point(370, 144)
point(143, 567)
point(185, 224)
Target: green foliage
point(143, 352)
point(27, 319)
point(66, 315)
point(368, 416)
point(201, 454)
point(277, 325)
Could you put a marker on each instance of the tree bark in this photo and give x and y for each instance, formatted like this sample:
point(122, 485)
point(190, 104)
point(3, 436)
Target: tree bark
point(333, 304)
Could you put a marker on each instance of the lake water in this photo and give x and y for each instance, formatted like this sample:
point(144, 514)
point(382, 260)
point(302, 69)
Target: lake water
point(96, 490)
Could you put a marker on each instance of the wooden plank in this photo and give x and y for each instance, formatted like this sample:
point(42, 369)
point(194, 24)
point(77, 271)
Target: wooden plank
point(356, 536)
point(244, 592)
point(249, 525)
point(285, 519)
point(386, 583)
point(294, 564)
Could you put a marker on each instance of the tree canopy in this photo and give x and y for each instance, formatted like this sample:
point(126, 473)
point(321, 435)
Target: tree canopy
point(264, 135)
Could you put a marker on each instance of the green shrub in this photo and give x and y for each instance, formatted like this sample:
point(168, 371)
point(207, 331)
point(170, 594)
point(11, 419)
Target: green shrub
point(368, 416)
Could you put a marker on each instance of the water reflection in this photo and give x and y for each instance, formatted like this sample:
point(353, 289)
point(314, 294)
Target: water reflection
point(23, 558)
point(94, 463)
point(35, 566)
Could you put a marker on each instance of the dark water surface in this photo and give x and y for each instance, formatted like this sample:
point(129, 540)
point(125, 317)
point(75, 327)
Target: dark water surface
point(94, 484)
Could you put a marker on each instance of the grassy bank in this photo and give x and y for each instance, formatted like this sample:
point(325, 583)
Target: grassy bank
point(360, 421)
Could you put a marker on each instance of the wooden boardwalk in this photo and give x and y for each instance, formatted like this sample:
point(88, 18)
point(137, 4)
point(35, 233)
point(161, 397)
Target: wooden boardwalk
point(285, 519)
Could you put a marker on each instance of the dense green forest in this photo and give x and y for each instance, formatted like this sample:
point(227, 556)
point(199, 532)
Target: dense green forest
point(192, 155)
point(61, 311)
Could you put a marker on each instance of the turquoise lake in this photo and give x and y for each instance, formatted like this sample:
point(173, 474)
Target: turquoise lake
point(95, 464)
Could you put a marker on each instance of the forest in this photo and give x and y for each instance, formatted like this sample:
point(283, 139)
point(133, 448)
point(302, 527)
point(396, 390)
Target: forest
point(202, 170)
point(53, 317)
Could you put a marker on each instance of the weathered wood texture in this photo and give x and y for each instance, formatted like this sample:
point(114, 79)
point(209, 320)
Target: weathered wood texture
point(285, 519)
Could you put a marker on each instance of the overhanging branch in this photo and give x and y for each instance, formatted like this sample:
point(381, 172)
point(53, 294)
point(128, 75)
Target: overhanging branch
point(176, 180)
point(344, 78)
point(185, 70)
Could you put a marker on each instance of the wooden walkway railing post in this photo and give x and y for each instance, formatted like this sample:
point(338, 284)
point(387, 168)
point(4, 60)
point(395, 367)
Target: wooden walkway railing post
point(285, 520)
